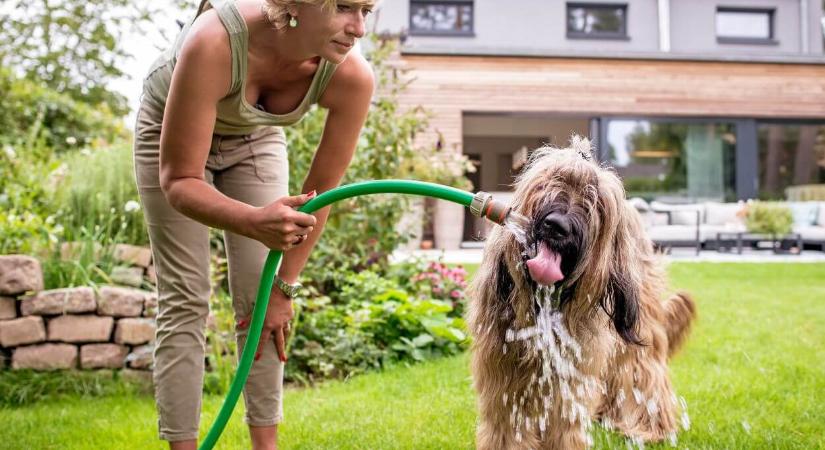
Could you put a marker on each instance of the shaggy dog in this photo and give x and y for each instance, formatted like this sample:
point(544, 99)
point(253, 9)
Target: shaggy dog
point(570, 318)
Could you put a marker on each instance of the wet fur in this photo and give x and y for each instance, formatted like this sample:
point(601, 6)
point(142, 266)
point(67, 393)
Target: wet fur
point(614, 304)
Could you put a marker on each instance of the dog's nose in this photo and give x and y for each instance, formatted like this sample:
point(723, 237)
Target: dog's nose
point(557, 226)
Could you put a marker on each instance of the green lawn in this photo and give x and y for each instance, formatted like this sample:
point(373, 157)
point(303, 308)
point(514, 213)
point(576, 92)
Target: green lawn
point(753, 375)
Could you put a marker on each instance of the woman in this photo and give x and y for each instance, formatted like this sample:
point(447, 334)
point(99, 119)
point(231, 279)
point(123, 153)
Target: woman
point(206, 157)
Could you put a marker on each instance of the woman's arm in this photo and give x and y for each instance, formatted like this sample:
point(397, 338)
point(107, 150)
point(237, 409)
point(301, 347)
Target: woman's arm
point(348, 98)
point(202, 76)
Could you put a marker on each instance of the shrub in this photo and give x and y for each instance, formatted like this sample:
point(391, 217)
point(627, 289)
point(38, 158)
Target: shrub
point(26, 225)
point(95, 196)
point(768, 218)
point(407, 313)
point(30, 110)
point(375, 320)
point(36, 126)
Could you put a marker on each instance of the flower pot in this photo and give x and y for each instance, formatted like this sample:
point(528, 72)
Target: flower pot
point(412, 223)
point(448, 225)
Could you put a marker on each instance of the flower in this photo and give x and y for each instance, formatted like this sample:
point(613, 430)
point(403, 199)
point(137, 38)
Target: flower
point(131, 205)
point(71, 140)
point(10, 153)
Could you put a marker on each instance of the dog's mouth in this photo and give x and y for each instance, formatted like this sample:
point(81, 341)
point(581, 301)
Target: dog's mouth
point(545, 267)
point(552, 248)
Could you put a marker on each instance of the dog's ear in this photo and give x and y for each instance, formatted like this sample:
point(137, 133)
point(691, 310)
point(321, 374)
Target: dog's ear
point(618, 260)
point(504, 281)
point(621, 303)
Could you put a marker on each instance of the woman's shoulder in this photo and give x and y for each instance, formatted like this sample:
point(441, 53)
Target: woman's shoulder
point(207, 42)
point(353, 76)
point(206, 54)
point(355, 69)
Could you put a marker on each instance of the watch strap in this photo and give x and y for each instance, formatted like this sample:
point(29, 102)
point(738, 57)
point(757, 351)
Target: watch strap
point(290, 290)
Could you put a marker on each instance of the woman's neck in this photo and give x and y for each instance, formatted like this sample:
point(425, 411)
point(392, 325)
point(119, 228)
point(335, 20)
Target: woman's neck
point(283, 48)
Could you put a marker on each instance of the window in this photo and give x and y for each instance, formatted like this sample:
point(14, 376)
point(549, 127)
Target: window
point(433, 17)
point(744, 26)
point(674, 161)
point(790, 154)
point(596, 21)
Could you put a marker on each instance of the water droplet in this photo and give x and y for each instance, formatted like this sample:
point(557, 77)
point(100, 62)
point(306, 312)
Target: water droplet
point(518, 225)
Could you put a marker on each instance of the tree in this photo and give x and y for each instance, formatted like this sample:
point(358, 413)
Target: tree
point(73, 46)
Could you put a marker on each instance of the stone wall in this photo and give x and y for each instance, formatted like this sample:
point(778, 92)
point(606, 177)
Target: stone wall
point(107, 327)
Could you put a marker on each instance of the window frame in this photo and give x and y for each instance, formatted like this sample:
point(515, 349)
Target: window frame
point(618, 36)
point(770, 40)
point(454, 33)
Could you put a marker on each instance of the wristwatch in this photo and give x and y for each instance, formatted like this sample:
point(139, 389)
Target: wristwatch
point(290, 290)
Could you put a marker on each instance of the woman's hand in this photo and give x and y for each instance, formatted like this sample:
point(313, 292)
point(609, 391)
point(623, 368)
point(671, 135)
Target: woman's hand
point(278, 225)
point(276, 327)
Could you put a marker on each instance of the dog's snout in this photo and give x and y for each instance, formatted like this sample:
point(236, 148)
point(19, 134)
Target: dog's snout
point(556, 226)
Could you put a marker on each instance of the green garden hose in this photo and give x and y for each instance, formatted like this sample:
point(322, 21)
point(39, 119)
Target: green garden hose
point(481, 204)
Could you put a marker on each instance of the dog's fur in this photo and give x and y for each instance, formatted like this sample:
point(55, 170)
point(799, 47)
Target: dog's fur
point(613, 302)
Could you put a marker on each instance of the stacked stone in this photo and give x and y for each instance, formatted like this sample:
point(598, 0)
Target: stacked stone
point(135, 263)
point(109, 328)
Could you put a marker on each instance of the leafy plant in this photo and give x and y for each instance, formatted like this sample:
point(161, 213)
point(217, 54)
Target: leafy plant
point(376, 320)
point(94, 195)
point(434, 164)
point(768, 218)
point(222, 351)
point(30, 111)
point(26, 225)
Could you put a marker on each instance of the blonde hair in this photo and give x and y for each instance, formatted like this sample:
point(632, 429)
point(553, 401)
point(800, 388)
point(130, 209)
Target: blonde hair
point(276, 10)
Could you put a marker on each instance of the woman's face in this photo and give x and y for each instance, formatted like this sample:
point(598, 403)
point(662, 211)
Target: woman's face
point(332, 33)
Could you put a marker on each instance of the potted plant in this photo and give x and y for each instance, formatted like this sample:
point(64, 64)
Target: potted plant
point(770, 218)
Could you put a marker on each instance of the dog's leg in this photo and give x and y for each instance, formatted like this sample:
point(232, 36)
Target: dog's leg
point(563, 433)
point(641, 403)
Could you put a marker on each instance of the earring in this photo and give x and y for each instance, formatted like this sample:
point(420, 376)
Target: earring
point(293, 21)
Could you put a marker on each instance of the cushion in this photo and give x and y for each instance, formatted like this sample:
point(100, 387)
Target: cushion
point(680, 214)
point(651, 219)
point(723, 213)
point(639, 203)
point(821, 219)
point(804, 213)
point(810, 233)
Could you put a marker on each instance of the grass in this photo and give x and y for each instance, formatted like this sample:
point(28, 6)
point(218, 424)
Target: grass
point(753, 375)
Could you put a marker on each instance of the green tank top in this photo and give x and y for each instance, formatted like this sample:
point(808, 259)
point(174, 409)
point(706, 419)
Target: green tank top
point(235, 116)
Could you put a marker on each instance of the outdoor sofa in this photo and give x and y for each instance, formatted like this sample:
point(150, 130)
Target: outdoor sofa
point(697, 225)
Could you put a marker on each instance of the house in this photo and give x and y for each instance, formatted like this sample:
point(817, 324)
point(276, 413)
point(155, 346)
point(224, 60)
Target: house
point(689, 100)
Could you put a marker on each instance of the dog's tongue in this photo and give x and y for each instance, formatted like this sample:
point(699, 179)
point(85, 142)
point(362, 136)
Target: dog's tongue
point(545, 268)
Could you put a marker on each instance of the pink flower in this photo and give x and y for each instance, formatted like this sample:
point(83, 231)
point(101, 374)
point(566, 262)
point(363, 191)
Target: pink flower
point(455, 294)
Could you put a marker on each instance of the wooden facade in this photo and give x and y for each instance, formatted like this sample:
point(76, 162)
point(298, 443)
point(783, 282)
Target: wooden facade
point(449, 86)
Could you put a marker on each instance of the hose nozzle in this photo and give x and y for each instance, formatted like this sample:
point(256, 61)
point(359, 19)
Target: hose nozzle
point(483, 205)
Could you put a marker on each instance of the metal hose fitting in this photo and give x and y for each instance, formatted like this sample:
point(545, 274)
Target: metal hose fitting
point(483, 205)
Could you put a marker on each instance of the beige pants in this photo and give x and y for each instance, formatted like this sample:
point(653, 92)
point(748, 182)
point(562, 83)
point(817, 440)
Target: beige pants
point(252, 169)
